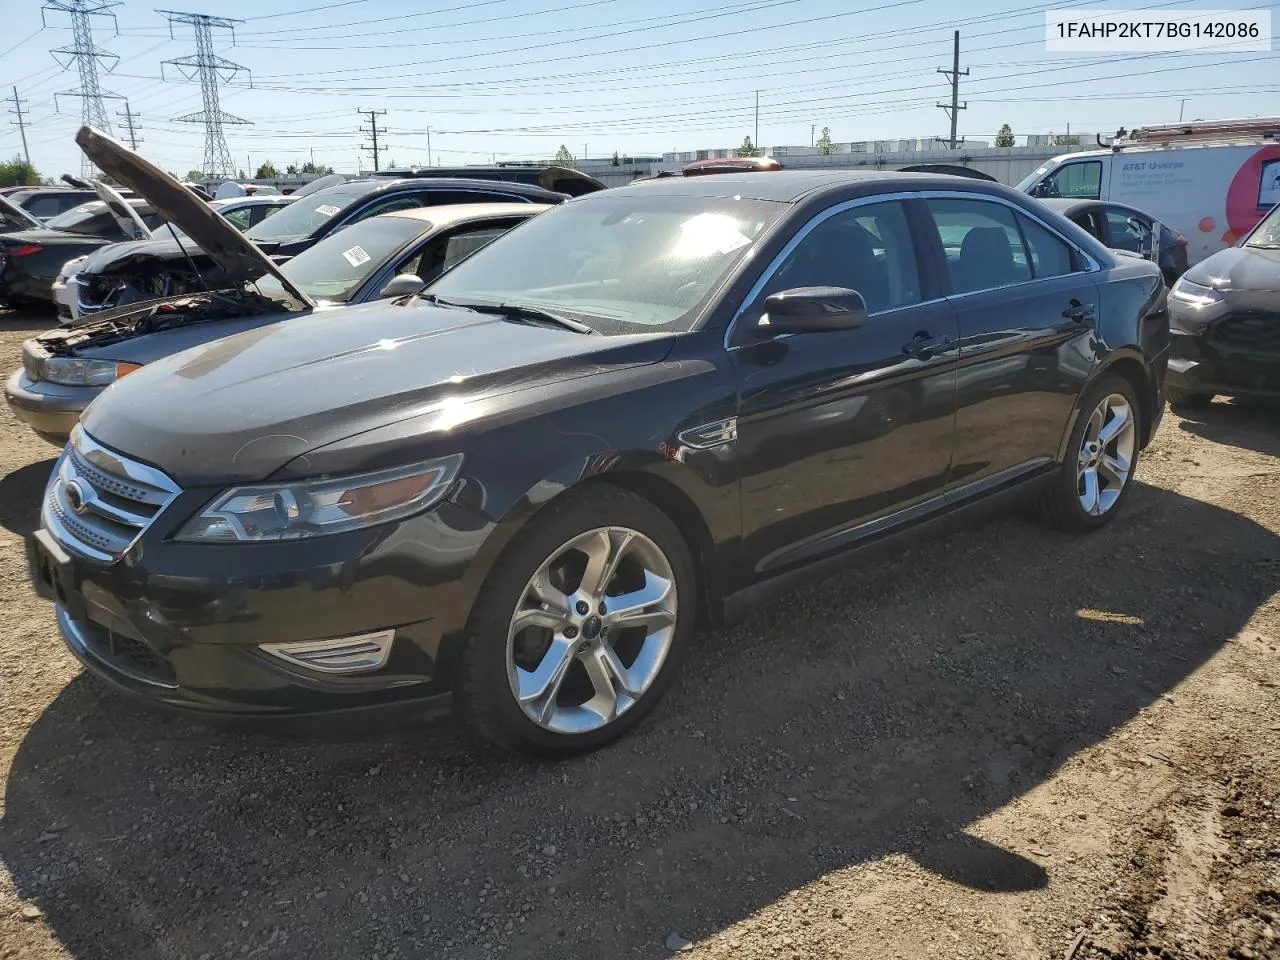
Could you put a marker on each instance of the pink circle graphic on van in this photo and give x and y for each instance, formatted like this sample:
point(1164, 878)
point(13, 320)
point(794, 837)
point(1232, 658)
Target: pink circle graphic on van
point(1207, 224)
point(1248, 196)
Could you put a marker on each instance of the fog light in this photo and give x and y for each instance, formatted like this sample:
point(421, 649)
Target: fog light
point(368, 651)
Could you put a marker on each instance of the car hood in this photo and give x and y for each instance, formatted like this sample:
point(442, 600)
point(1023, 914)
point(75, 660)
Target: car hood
point(240, 259)
point(240, 408)
point(13, 217)
point(1239, 268)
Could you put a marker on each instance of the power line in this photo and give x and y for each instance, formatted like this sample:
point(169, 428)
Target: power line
point(17, 109)
point(953, 75)
point(129, 117)
point(211, 69)
point(86, 55)
point(373, 116)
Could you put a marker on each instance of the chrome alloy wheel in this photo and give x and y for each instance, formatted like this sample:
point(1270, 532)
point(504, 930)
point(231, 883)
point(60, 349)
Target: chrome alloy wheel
point(1106, 453)
point(592, 630)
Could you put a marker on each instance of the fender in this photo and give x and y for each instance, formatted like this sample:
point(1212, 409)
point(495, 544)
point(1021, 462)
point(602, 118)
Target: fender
point(1131, 361)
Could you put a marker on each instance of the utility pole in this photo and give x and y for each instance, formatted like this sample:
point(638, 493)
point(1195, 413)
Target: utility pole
point(429, 163)
point(953, 75)
point(129, 117)
point(1182, 107)
point(373, 133)
point(211, 69)
point(812, 127)
point(86, 56)
point(755, 142)
point(22, 127)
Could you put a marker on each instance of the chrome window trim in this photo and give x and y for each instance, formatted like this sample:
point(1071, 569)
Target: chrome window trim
point(508, 198)
point(1092, 265)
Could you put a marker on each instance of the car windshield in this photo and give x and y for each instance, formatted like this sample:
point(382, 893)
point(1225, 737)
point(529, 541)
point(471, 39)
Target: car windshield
point(1267, 233)
point(337, 266)
point(86, 218)
point(303, 217)
point(620, 264)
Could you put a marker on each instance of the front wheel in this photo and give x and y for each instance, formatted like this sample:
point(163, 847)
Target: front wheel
point(578, 631)
point(1102, 454)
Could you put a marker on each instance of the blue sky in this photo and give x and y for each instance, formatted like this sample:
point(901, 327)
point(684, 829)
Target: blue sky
point(516, 78)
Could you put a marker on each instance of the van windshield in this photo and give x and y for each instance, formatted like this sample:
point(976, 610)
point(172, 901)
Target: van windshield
point(1025, 183)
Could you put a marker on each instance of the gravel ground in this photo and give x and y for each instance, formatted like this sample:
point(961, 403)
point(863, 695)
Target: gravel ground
point(1006, 743)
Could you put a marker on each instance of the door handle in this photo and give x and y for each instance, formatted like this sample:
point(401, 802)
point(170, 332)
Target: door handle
point(923, 346)
point(1079, 312)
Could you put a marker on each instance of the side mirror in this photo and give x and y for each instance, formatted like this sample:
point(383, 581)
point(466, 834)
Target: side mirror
point(812, 310)
point(402, 285)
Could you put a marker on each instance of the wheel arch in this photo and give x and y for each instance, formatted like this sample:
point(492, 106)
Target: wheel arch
point(1129, 364)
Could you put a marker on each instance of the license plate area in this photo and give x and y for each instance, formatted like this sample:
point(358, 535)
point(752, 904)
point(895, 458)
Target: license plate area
point(53, 573)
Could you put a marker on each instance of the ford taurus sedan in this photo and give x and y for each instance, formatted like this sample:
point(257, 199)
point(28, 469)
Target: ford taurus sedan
point(646, 407)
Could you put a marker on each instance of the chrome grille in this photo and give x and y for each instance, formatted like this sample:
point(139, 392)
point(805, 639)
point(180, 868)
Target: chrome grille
point(98, 502)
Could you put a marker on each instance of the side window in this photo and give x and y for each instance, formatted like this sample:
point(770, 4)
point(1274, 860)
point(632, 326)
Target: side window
point(264, 210)
point(45, 207)
point(444, 253)
point(387, 204)
point(462, 245)
point(1050, 257)
point(153, 220)
point(866, 248)
point(442, 197)
point(1126, 232)
point(241, 219)
point(982, 244)
point(1079, 181)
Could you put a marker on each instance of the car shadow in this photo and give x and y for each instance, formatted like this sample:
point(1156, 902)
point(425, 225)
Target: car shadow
point(20, 495)
point(881, 711)
point(1249, 424)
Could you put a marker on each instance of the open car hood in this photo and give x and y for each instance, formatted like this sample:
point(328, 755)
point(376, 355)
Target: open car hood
point(240, 259)
point(130, 223)
point(563, 180)
point(13, 217)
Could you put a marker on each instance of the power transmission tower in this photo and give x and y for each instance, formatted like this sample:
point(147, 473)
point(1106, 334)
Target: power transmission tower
point(86, 56)
point(373, 133)
point(22, 127)
point(129, 116)
point(953, 109)
point(211, 69)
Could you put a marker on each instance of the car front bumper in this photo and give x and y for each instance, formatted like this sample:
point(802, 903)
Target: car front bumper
point(190, 626)
point(50, 409)
point(1196, 365)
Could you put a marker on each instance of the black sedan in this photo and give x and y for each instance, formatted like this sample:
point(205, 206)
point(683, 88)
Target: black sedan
point(1122, 227)
point(30, 260)
point(648, 406)
point(1225, 319)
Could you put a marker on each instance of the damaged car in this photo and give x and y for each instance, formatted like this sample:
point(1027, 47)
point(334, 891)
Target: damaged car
point(390, 255)
point(164, 267)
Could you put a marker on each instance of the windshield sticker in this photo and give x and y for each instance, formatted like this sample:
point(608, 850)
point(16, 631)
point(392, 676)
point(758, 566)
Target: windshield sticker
point(327, 210)
point(356, 256)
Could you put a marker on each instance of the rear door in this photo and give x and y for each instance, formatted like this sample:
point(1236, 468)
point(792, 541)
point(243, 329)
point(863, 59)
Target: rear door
point(1025, 302)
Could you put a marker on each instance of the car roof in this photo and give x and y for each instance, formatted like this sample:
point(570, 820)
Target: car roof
point(450, 213)
point(362, 188)
point(788, 186)
point(252, 200)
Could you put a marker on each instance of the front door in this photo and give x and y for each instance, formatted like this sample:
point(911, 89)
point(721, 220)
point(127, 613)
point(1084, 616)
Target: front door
point(1026, 308)
point(838, 429)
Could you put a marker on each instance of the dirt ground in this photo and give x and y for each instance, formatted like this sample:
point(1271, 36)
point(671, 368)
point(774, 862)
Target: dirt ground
point(1008, 743)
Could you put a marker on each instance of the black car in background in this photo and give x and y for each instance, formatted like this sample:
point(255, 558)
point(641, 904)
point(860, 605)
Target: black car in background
point(44, 203)
point(1122, 227)
point(1224, 315)
point(162, 267)
point(30, 260)
point(645, 406)
point(573, 183)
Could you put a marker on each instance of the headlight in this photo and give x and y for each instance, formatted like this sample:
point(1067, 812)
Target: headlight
point(312, 508)
point(1194, 293)
point(84, 373)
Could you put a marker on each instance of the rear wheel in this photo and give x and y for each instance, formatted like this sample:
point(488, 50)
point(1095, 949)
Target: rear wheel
point(1102, 455)
point(580, 627)
point(1187, 399)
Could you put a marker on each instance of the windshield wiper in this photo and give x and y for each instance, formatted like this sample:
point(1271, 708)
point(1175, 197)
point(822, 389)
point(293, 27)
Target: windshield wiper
point(516, 313)
point(1264, 246)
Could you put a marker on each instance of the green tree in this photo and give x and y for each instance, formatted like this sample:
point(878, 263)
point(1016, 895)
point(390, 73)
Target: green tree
point(312, 167)
point(748, 149)
point(564, 158)
point(266, 171)
point(1005, 137)
point(241, 175)
point(194, 175)
point(616, 161)
point(824, 144)
point(291, 170)
point(18, 173)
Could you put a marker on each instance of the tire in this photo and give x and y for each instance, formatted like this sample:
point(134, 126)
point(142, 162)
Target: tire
point(497, 658)
point(1063, 502)
point(1181, 399)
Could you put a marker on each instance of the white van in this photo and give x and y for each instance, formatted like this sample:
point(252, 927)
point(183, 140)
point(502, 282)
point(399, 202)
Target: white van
point(1212, 181)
